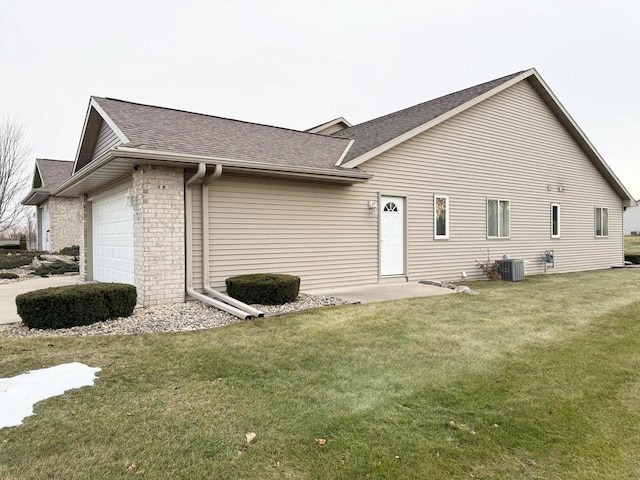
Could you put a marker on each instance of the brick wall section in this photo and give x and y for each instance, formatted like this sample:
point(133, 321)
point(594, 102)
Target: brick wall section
point(66, 222)
point(159, 234)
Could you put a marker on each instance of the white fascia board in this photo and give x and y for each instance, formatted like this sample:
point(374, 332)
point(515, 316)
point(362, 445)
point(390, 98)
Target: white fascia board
point(344, 154)
point(432, 123)
point(37, 170)
point(84, 172)
point(128, 152)
point(330, 123)
point(94, 105)
point(592, 149)
point(84, 130)
point(123, 138)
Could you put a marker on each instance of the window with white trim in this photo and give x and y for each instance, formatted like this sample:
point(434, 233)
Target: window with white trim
point(498, 218)
point(602, 222)
point(555, 220)
point(440, 217)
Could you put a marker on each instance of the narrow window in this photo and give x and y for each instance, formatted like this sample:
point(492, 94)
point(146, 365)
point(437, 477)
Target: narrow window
point(498, 219)
point(440, 217)
point(602, 222)
point(555, 220)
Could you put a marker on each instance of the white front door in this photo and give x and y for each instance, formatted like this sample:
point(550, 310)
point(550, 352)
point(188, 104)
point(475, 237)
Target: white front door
point(113, 239)
point(45, 235)
point(392, 236)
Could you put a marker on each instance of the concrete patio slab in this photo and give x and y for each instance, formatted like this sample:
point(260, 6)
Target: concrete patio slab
point(382, 292)
point(9, 291)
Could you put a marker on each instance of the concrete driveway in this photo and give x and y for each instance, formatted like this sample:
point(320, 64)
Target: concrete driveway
point(9, 291)
point(382, 292)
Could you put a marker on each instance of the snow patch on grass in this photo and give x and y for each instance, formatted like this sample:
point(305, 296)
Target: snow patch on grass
point(19, 394)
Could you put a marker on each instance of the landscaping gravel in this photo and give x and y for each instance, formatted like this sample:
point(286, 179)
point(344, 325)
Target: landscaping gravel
point(175, 317)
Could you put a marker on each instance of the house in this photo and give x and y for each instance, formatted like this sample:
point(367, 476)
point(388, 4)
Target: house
point(631, 220)
point(176, 202)
point(59, 218)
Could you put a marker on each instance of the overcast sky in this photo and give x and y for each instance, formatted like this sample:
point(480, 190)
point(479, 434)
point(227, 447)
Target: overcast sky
point(297, 63)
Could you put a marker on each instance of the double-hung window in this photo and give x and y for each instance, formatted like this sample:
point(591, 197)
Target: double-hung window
point(498, 218)
point(555, 220)
point(440, 217)
point(602, 222)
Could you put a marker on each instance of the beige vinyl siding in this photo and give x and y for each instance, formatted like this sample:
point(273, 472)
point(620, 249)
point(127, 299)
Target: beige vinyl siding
point(107, 139)
point(332, 129)
point(321, 232)
point(509, 147)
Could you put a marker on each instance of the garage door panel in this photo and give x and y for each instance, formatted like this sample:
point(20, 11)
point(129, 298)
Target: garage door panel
point(113, 239)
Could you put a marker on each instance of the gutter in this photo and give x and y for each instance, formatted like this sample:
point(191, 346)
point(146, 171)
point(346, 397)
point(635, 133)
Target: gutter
point(84, 172)
point(162, 158)
point(347, 174)
point(217, 172)
point(231, 306)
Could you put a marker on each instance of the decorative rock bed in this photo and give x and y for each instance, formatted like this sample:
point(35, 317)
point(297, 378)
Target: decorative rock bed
point(27, 272)
point(176, 317)
point(450, 286)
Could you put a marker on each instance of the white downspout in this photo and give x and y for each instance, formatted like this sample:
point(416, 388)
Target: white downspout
point(205, 249)
point(188, 209)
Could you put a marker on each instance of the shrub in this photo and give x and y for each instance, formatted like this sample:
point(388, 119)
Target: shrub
point(57, 267)
point(633, 258)
point(73, 251)
point(264, 288)
point(73, 305)
point(23, 242)
point(10, 247)
point(8, 275)
point(490, 268)
point(15, 260)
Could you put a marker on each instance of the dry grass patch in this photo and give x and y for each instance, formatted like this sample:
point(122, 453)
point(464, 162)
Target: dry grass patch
point(631, 245)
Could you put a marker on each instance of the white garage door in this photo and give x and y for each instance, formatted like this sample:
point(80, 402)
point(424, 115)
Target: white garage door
point(113, 239)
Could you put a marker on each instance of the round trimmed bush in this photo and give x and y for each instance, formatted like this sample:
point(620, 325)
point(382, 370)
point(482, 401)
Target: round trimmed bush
point(72, 251)
point(73, 305)
point(264, 288)
point(58, 267)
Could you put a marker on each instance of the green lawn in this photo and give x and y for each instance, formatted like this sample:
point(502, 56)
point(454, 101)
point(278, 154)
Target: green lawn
point(532, 380)
point(632, 245)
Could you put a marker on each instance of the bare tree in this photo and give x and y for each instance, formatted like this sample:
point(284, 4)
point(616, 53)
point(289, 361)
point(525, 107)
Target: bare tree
point(14, 155)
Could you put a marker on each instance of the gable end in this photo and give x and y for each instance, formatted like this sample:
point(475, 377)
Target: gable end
point(99, 135)
point(37, 177)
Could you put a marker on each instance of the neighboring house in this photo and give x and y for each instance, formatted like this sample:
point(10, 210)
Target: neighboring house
point(4, 243)
point(60, 219)
point(631, 220)
point(422, 193)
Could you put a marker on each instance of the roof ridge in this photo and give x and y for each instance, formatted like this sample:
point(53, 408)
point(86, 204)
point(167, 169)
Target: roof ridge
point(213, 116)
point(53, 160)
point(513, 75)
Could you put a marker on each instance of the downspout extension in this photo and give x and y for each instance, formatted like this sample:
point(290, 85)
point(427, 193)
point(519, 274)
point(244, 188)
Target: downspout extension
point(202, 169)
point(217, 172)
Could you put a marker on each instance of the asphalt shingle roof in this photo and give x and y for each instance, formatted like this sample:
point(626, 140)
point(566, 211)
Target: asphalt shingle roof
point(53, 172)
point(176, 131)
point(163, 129)
point(376, 132)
